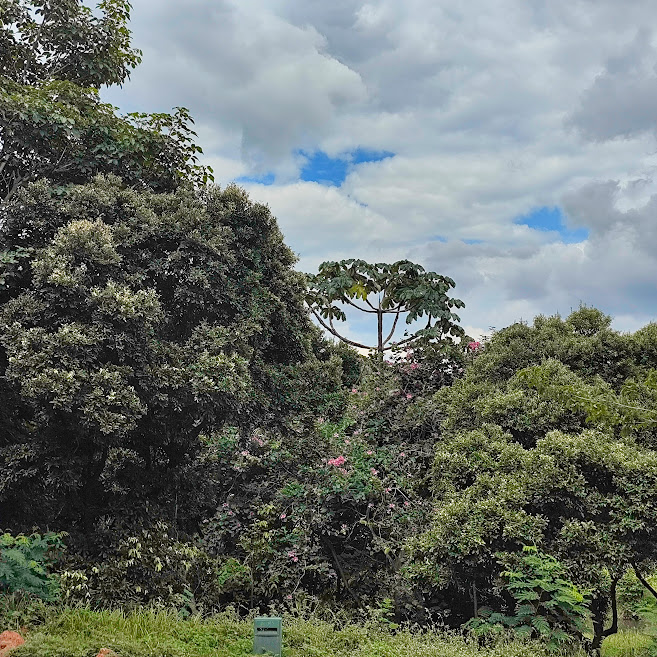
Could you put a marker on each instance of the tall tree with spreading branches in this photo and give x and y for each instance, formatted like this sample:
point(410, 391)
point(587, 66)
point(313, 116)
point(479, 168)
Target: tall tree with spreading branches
point(401, 289)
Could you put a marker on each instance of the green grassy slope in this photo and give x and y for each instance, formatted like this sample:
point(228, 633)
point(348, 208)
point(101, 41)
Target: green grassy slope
point(82, 633)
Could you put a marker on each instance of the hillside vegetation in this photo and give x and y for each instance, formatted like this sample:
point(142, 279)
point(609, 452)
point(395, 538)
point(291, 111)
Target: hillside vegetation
point(177, 435)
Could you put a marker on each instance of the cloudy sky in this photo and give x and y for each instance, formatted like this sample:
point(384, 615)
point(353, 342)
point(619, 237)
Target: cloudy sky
point(509, 144)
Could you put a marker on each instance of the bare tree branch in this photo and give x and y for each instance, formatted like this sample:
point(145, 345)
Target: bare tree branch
point(365, 310)
point(332, 330)
point(394, 326)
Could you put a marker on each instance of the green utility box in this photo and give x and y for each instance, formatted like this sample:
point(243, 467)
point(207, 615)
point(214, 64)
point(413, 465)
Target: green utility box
point(267, 635)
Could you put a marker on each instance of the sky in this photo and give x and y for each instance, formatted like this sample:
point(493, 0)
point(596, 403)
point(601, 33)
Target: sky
point(508, 144)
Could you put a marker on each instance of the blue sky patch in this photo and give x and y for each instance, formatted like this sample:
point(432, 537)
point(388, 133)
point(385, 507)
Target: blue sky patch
point(473, 241)
point(332, 171)
point(266, 179)
point(320, 168)
point(551, 219)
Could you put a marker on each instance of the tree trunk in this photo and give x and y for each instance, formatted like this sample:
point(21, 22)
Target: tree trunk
point(379, 317)
point(599, 608)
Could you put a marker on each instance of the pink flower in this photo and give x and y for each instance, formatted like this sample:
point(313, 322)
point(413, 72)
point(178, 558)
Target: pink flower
point(244, 453)
point(388, 490)
point(402, 454)
point(225, 504)
point(473, 346)
point(288, 596)
point(409, 396)
point(230, 513)
point(337, 461)
point(414, 366)
point(369, 452)
point(295, 559)
point(291, 554)
point(347, 441)
point(354, 391)
point(283, 516)
point(374, 472)
point(343, 471)
point(391, 506)
point(407, 503)
point(370, 505)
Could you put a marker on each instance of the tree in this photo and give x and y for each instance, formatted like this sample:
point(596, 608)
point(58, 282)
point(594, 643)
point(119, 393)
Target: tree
point(54, 56)
point(145, 323)
point(402, 288)
point(548, 439)
point(586, 499)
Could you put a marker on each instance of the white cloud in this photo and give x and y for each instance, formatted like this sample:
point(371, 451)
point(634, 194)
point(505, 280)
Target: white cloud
point(492, 109)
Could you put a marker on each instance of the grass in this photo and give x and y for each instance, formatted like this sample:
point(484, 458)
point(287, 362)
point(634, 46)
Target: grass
point(79, 632)
point(629, 643)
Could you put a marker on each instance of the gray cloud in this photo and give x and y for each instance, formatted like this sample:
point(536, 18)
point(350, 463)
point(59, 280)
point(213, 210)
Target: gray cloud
point(622, 100)
point(243, 70)
point(491, 109)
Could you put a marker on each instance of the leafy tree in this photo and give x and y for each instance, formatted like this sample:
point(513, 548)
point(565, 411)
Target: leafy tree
point(145, 322)
point(400, 289)
point(548, 438)
point(54, 56)
point(586, 499)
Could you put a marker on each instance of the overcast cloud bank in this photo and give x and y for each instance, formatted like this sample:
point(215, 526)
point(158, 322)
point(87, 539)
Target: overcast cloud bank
point(492, 117)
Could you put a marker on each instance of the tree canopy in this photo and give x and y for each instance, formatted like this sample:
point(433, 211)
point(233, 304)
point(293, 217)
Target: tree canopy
point(142, 322)
point(54, 57)
point(402, 289)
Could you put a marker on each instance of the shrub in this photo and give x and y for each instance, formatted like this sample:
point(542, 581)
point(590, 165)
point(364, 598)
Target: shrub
point(547, 606)
point(25, 562)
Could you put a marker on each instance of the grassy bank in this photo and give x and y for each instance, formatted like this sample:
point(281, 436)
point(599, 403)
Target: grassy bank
point(82, 633)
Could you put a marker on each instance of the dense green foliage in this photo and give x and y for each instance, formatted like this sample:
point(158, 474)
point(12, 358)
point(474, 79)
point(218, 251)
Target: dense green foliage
point(515, 465)
point(26, 562)
point(54, 56)
point(547, 606)
point(139, 326)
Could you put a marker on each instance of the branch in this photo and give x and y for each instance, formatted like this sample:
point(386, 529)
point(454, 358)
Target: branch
point(365, 310)
point(401, 342)
point(331, 329)
point(643, 580)
point(342, 575)
point(14, 186)
point(4, 161)
point(394, 326)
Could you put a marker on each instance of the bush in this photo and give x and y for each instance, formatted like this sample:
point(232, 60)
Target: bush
point(25, 562)
point(547, 607)
point(150, 566)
